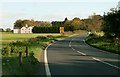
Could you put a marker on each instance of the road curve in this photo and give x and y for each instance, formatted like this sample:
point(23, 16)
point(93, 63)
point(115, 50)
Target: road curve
point(72, 56)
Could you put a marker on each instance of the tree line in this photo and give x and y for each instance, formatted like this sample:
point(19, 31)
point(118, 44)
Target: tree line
point(92, 23)
point(38, 29)
point(69, 25)
point(109, 23)
point(20, 23)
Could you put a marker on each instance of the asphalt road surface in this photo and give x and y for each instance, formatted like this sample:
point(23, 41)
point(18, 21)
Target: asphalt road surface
point(72, 56)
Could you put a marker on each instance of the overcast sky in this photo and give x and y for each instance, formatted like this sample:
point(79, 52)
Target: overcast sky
point(50, 10)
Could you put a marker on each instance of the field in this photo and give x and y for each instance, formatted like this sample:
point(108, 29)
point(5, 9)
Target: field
point(12, 44)
point(9, 37)
point(35, 44)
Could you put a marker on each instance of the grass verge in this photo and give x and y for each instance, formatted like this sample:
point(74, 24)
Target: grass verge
point(103, 43)
point(36, 43)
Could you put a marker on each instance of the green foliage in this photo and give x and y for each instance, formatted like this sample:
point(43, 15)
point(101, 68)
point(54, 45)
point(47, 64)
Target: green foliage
point(103, 43)
point(69, 25)
point(93, 23)
point(69, 28)
point(30, 65)
point(6, 51)
point(8, 30)
point(1, 30)
point(15, 47)
point(76, 22)
point(21, 23)
point(57, 23)
point(38, 29)
point(111, 24)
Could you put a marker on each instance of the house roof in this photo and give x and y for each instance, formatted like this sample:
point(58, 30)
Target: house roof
point(22, 27)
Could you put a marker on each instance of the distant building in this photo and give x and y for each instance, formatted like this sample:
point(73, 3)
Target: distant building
point(16, 30)
point(25, 29)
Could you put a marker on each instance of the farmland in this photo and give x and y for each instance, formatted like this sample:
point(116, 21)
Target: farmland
point(18, 43)
point(12, 44)
point(9, 37)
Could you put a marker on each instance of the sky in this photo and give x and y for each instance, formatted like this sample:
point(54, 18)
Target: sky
point(50, 10)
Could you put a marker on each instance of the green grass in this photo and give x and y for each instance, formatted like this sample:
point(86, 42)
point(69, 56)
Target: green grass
point(10, 66)
point(36, 46)
point(9, 37)
point(30, 65)
point(103, 43)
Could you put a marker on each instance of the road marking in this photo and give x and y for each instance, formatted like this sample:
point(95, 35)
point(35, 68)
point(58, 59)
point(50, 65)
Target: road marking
point(106, 63)
point(70, 44)
point(81, 53)
point(73, 49)
point(73, 39)
point(47, 70)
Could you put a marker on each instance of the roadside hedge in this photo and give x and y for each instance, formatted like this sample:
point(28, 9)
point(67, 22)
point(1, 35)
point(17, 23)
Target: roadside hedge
point(38, 29)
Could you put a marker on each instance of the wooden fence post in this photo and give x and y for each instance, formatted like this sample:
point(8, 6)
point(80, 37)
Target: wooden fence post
point(20, 58)
point(26, 51)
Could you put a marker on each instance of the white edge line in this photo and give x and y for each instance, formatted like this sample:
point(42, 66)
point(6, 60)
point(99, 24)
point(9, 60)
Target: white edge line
point(47, 70)
point(106, 63)
point(81, 53)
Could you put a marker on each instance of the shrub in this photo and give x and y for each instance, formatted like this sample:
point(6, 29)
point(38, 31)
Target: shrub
point(39, 29)
point(41, 37)
point(6, 50)
point(49, 36)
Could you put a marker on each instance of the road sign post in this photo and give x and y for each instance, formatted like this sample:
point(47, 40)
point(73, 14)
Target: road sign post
point(61, 29)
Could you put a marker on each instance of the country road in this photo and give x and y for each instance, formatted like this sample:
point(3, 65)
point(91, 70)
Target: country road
point(72, 56)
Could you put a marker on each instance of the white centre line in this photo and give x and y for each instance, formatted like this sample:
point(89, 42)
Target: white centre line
point(106, 63)
point(73, 49)
point(70, 44)
point(47, 70)
point(81, 53)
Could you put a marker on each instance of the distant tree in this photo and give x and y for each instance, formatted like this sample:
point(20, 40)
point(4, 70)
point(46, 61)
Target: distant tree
point(57, 23)
point(96, 23)
point(1, 30)
point(86, 24)
point(18, 24)
point(21, 23)
point(8, 30)
point(66, 19)
point(76, 22)
point(67, 25)
point(93, 23)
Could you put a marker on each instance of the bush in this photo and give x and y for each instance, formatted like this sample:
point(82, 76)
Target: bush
point(6, 50)
point(49, 36)
point(38, 29)
point(19, 43)
point(41, 37)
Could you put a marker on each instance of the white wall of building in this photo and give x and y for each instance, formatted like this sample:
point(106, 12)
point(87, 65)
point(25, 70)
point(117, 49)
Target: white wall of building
point(26, 29)
point(16, 31)
point(23, 30)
